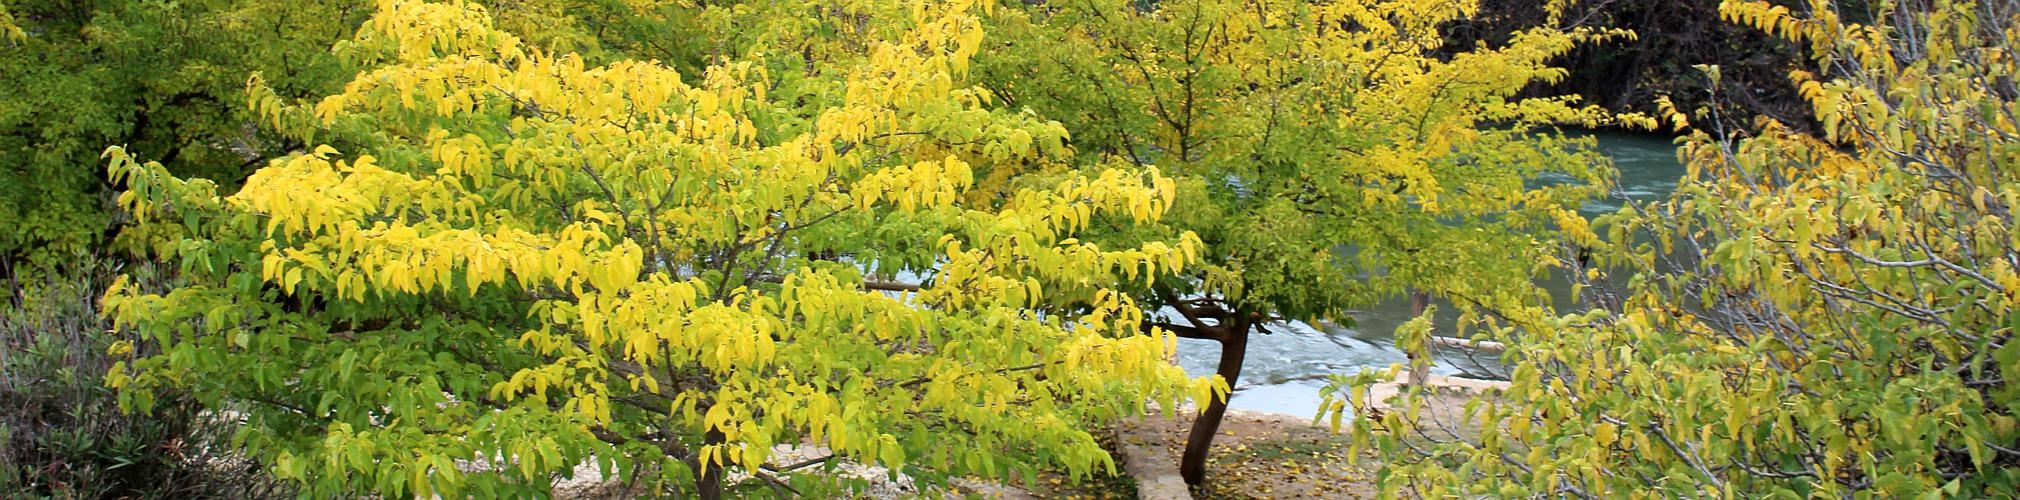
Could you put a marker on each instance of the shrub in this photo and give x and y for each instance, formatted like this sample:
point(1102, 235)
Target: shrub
point(61, 433)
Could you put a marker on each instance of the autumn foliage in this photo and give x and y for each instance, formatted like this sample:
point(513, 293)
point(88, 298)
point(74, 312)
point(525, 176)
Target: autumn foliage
point(1810, 315)
point(1329, 155)
point(513, 253)
point(463, 248)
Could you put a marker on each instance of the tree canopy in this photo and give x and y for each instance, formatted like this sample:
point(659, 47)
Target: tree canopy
point(158, 77)
point(167, 80)
point(1329, 155)
point(515, 254)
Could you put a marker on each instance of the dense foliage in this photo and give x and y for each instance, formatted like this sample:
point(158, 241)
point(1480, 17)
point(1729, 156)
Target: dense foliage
point(1810, 315)
point(162, 78)
point(167, 80)
point(1299, 131)
point(462, 248)
point(521, 255)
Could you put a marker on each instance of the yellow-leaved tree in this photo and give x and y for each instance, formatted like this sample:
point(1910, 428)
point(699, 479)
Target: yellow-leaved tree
point(509, 256)
point(1825, 315)
point(1329, 154)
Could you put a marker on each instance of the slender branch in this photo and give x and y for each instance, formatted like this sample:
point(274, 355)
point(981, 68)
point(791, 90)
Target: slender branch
point(891, 286)
point(666, 446)
point(867, 284)
point(801, 465)
point(921, 380)
point(1690, 458)
point(1932, 260)
point(776, 484)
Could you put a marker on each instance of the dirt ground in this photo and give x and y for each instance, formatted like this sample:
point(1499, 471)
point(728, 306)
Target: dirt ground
point(1266, 455)
point(1262, 455)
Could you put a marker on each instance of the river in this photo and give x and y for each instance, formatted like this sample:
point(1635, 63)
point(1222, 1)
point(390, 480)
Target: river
point(1285, 369)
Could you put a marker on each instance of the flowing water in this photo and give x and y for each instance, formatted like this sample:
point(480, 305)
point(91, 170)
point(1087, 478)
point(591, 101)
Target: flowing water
point(1284, 370)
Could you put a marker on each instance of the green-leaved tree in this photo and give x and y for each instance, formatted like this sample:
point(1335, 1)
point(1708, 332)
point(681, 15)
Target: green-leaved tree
point(165, 79)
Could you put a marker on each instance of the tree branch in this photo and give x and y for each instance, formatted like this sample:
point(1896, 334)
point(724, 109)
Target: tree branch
point(1187, 331)
point(868, 284)
point(921, 380)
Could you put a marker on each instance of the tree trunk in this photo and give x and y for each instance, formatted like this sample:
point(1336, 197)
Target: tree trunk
point(1420, 369)
point(1233, 347)
point(708, 486)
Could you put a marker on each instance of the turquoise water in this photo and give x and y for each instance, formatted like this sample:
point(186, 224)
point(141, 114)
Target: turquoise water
point(1284, 370)
point(1648, 168)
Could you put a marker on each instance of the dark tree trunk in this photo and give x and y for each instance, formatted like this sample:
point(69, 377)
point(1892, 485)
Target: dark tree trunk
point(1233, 347)
point(708, 486)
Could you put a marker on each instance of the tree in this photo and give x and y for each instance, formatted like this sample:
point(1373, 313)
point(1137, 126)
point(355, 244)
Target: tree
point(162, 78)
point(166, 80)
point(519, 256)
point(1824, 315)
point(1326, 153)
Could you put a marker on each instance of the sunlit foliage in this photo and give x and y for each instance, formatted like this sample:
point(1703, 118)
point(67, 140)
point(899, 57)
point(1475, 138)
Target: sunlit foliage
point(514, 254)
point(1826, 315)
point(1325, 152)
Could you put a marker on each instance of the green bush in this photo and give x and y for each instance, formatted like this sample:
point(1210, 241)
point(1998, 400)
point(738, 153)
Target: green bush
point(61, 433)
